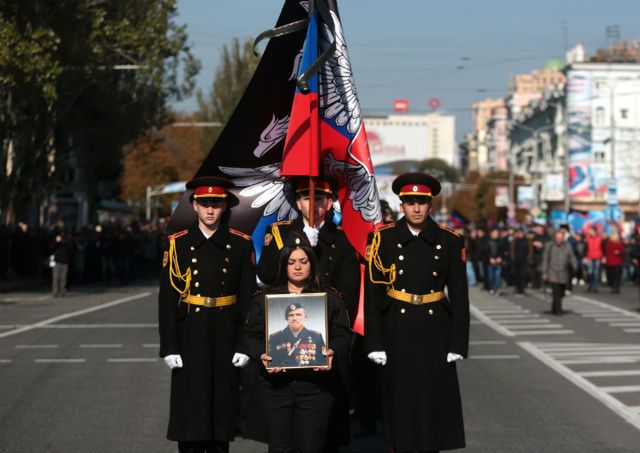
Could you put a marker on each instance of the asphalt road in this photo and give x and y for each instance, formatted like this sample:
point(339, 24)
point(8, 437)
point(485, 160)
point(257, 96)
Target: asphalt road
point(82, 374)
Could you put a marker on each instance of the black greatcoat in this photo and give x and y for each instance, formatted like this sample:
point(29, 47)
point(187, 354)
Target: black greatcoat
point(204, 392)
point(337, 259)
point(422, 406)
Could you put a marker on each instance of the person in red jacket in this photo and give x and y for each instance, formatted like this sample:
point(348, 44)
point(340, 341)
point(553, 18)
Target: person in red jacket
point(613, 255)
point(593, 258)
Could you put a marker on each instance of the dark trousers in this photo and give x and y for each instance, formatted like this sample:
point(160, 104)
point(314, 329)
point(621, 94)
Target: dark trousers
point(520, 275)
point(297, 416)
point(213, 446)
point(616, 276)
point(558, 293)
point(364, 387)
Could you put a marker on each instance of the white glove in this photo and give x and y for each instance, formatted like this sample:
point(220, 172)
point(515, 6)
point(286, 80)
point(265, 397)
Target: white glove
point(312, 234)
point(173, 361)
point(240, 360)
point(452, 357)
point(379, 357)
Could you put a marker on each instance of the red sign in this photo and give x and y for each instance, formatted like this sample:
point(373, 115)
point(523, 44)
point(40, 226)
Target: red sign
point(434, 103)
point(400, 105)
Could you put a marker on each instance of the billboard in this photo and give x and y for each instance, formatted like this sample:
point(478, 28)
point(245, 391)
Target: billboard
point(393, 142)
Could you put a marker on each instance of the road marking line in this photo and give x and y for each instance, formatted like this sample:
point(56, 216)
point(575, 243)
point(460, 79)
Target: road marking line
point(544, 332)
point(27, 299)
point(535, 326)
point(60, 360)
point(625, 324)
point(482, 342)
point(589, 361)
point(5, 360)
point(98, 326)
point(626, 353)
point(632, 330)
point(131, 360)
point(609, 307)
point(506, 317)
point(610, 373)
point(505, 311)
point(612, 347)
point(621, 388)
point(489, 322)
point(74, 314)
point(523, 321)
point(494, 357)
point(100, 346)
point(36, 346)
point(612, 403)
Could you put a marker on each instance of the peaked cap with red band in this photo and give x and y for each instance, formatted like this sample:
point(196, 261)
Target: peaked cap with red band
point(321, 185)
point(416, 184)
point(209, 187)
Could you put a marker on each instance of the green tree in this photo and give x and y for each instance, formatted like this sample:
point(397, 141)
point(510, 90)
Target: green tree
point(237, 65)
point(81, 79)
point(440, 169)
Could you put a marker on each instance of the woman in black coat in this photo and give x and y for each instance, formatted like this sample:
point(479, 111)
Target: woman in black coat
point(298, 403)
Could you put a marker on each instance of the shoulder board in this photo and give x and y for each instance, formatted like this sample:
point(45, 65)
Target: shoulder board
point(450, 230)
point(385, 227)
point(239, 233)
point(284, 222)
point(178, 234)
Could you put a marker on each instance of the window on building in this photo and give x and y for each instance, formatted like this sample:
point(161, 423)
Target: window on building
point(624, 113)
point(599, 119)
point(599, 156)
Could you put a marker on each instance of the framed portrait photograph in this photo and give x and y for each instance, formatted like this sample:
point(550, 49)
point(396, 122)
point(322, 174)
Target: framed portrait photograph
point(296, 330)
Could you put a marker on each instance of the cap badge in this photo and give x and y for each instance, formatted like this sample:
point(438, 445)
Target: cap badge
point(297, 241)
point(292, 306)
point(415, 188)
point(210, 189)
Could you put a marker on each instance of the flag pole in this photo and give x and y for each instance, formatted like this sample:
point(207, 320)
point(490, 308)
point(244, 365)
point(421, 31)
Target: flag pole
point(312, 202)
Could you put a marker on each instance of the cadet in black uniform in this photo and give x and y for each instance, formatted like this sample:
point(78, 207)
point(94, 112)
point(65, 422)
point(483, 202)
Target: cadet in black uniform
point(207, 280)
point(412, 327)
point(337, 259)
point(298, 402)
point(295, 345)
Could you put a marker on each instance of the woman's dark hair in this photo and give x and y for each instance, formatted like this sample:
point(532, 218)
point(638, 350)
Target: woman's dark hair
point(280, 283)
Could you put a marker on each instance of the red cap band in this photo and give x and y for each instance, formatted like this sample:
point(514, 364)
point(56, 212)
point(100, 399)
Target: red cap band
point(415, 189)
point(209, 191)
point(321, 186)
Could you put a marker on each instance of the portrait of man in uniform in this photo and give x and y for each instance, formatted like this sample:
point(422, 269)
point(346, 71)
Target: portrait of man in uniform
point(301, 342)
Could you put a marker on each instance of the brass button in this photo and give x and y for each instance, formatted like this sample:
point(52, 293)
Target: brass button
point(430, 311)
point(399, 246)
point(198, 295)
point(197, 309)
point(435, 274)
point(226, 260)
point(326, 273)
point(333, 246)
point(400, 272)
point(224, 270)
point(197, 284)
point(331, 258)
point(436, 257)
point(432, 291)
point(403, 290)
point(401, 257)
point(228, 246)
point(192, 247)
point(194, 260)
point(195, 272)
point(438, 246)
point(222, 283)
point(402, 310)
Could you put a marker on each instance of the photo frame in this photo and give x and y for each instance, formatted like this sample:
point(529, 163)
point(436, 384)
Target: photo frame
point(296, 330)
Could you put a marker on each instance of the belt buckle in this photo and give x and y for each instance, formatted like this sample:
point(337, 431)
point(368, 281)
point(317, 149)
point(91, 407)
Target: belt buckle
point(416, 299)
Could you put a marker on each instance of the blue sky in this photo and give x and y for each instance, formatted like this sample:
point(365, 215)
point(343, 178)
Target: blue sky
point(460, 51)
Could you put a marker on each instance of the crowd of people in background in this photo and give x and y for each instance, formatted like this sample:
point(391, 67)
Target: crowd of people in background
point(515, 257)
point(108, 254)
